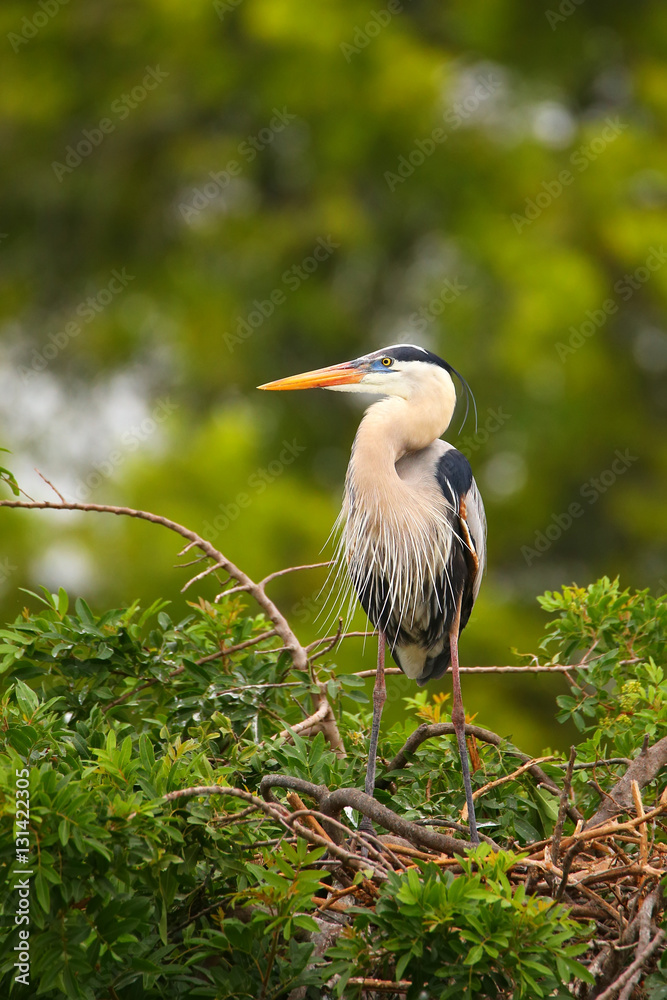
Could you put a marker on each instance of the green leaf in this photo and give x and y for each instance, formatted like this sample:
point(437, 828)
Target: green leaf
point(27, 699)
point(83, 611)
point(63, 602)
point(42, 891)
point(8, 477)
point(402, 964)
point(306, 923)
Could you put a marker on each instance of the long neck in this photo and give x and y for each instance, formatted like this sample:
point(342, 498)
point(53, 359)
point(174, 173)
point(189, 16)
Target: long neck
point(393, 427)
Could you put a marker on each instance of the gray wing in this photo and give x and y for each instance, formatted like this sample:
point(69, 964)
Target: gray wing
point(456, 481)
point(477, 527)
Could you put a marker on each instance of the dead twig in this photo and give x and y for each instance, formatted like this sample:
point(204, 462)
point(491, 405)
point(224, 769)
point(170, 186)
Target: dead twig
point(140, 687)
point(562, 806)
point(643, 833)
point(635, 967)
point(49, 483)
point(381, 985)
point(200, 576)
point(330, 645)
point(228, 650)
point(501, 781)
point(643, 769)
point(298, 805)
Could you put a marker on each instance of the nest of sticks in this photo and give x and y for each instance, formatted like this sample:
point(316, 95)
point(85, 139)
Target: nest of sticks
point(608, 871)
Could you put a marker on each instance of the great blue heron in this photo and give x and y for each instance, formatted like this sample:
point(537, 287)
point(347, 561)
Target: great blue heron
point(413, 530)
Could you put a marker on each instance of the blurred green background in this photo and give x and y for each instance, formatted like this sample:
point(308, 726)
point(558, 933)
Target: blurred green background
point(487, 179)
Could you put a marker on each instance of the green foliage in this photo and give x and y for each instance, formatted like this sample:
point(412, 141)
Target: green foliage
point(117, 871)
point(621, 692)
point(139, 898)
point(470, 936)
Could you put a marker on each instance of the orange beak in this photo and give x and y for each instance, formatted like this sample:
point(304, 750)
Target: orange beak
point(321, 378)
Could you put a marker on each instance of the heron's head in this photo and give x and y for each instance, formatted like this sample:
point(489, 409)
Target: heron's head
point(402, 370)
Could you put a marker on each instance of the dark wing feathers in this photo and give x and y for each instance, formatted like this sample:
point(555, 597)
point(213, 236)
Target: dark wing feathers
point(433, 620)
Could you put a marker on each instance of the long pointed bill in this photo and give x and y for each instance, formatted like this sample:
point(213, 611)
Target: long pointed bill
point(321, 378)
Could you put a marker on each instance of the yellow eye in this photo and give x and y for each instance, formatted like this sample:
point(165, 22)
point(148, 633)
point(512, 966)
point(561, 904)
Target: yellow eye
point(387, 362)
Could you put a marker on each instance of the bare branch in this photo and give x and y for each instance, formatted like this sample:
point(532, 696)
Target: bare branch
point(200, 576)
point(269, 781)
point(381, 985)
point(292, 569)
point(299, 655)
point(636, 966)
point(311, 724)
point(49, 483)
point(228, 650)
point(140, 687)
point(261, 687)
point(501, 781)
point(352, 635)
point(330, 645)
point(562, 807)
point(643, 769)
point(336, 801)
point(556, 668)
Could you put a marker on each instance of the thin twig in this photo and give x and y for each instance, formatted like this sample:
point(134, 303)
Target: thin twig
point(611, 991)
point(587, 765)
point(562, 807)
point(192, 562)
point(381, 985)
point(292, 569)
point(501, 781)
point(643, 833)
point(228, 650)
point(261, 687)
point(352, 635)
point(200, 576)
point(140, 687)
point(49, 483)
point(556, 668)
point(330, 645)
point(306, 725)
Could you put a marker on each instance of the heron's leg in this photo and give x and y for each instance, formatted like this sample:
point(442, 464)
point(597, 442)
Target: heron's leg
point(459, 720)
point(379, 698)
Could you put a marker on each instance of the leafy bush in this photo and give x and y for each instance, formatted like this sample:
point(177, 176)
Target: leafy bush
point(470, 936)
point(619, 694)
point(137, 896)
